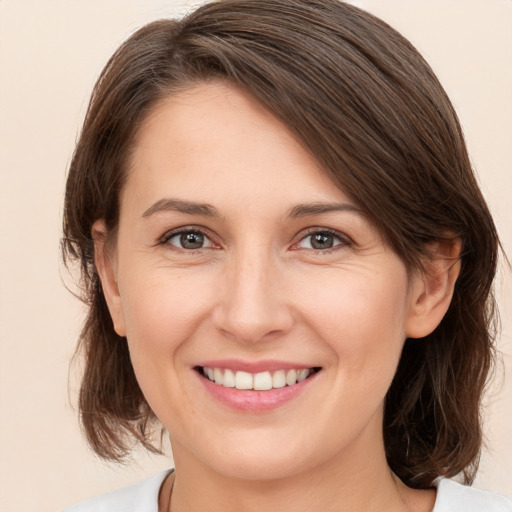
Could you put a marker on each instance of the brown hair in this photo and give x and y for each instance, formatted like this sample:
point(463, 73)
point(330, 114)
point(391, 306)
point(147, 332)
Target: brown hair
point(370, 109)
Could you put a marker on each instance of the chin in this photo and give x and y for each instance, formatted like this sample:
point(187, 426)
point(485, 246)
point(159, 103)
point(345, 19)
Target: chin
point(258, 455)
point(257, 467)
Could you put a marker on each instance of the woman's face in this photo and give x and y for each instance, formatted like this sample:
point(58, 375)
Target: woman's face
point(237, 257)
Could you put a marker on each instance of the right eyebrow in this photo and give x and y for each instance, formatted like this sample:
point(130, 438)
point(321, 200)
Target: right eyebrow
point(181, 206)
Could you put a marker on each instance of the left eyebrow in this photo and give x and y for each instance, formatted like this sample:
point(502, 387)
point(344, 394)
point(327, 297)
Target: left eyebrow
point(178, 205)
point(303, 210)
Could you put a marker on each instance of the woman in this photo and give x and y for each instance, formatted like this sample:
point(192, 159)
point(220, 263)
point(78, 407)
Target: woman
point(288, 264)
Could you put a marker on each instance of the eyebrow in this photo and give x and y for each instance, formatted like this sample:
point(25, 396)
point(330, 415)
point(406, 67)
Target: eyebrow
point(304, 210)
point(207, 210)
point(181, 206)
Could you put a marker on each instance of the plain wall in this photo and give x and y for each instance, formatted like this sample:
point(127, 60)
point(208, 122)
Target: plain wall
point(51, 51)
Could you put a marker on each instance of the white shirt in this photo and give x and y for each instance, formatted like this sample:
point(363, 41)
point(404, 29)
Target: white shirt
point(143, 497)
point(453, 497)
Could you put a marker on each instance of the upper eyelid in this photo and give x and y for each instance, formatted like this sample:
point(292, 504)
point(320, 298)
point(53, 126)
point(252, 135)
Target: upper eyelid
point(185, 229)
point(335, 232)
point(320, 229)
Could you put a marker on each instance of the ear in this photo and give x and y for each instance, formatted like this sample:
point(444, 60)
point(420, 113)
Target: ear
point(432, 289)
point(106, 266)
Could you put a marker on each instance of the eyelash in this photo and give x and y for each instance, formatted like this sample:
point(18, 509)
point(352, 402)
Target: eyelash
point(343, 240)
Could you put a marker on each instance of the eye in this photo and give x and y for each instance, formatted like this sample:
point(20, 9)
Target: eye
point(321, 240)
point(188, 240)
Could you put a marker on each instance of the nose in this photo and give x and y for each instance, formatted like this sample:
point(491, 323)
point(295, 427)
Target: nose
point(252, 304)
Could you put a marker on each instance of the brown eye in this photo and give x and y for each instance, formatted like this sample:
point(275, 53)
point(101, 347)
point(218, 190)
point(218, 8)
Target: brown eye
point(191, 240)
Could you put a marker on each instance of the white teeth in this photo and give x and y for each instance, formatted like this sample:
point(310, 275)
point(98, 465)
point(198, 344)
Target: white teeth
point(218, 376)
point(229, 379)
point(243, 380)
point(291, 377)
point(262, 381)
point(302, 374)
point(279, 379)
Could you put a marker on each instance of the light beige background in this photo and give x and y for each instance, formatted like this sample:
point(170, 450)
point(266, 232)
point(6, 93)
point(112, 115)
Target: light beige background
point(51, 51)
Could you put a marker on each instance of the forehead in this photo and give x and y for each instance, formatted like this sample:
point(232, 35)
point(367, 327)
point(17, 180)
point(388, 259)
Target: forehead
point(213, 141)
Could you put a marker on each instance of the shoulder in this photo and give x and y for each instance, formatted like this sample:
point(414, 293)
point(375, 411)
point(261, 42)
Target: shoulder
point(453, 497)
point(141, 497)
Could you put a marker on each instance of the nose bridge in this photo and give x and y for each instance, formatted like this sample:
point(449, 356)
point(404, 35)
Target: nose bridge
point(252, 306)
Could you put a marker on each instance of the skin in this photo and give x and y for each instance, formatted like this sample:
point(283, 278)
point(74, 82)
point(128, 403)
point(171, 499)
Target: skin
point(257, 290)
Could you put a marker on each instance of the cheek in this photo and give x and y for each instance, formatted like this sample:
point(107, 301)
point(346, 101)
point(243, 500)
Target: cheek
point(163, 312)
point(162, 309)
point(361, 317)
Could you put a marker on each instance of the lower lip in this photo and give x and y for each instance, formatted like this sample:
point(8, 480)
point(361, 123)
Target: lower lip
point(255, 401)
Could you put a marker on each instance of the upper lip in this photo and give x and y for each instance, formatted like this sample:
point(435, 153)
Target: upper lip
point(254, 366)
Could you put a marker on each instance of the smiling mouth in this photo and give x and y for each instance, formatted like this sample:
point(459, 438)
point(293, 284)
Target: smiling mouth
point(262, 381)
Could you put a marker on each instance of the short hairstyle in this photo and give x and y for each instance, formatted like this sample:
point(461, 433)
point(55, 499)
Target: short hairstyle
point(369, 108)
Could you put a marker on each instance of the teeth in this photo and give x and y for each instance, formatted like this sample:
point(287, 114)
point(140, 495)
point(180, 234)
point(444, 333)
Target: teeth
point(243, 380)
point(229, 379)
point(279, 379)
point(291, 377)
point(262, 381)
point(218, 376)
point(302, 374)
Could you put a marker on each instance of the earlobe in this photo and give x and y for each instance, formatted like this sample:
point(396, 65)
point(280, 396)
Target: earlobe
point(432, 290)
point(105, 261)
